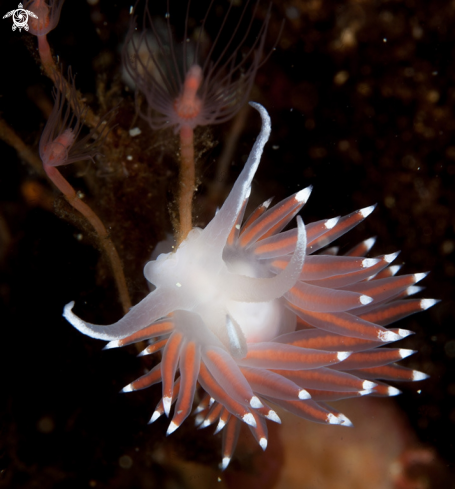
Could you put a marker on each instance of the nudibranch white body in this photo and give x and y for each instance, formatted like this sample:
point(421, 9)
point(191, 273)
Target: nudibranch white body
point(255, 317)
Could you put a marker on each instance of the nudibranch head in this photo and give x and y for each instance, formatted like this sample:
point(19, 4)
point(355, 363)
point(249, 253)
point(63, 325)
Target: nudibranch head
point(257, 317)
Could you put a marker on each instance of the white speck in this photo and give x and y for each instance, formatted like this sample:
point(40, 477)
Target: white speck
point(391, 256)
point(167, 401)
point(131, 9)
point(205, 423)
point(369, 262)
point(344, 420)
point(143, 353)
point(331, 223)
point(368, 243)
point(388, 336)
point(178, 284)
point(384, 40)
point(129, 158)
point(404, 332)
point(332, 419)
point(404, 352)
point(127, 388)
point(237, 226)
point(267, 203)
point(303, 195)
point(342, 355)
point(365, 299)
point(263, 443)
point(224, 463)
point(303, 394)
point(413, 289)
point(249, 419)
point(198, 420)
point(172, 427)
point(80, 194)
point(416, 375)
point(211, 401)
point(365, 392)
point(167, 15)
point(256, 403)
point(220, 426)
point(135, 132)
point(199, 409)
point(427, 303)
point(419, 391)
point(112, 344)
point(366, 211)
point(394, 269)
point(154, 417)
point(420, 276)
point(273, 416)
point(393, 391)
point(368, 385)
point(275, 146)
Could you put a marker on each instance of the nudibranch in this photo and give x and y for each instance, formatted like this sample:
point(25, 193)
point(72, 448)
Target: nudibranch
point(256, 317)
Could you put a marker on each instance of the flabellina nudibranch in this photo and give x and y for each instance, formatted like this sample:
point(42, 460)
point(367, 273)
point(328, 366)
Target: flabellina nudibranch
point(255, 317)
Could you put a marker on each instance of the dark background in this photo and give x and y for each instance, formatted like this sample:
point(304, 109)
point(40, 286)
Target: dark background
point(361, 97)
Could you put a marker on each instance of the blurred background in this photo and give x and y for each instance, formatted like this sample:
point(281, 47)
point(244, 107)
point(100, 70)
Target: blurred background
point(361, 96)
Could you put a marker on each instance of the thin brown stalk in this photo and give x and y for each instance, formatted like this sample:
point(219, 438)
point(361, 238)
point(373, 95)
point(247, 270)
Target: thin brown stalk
point(186, 182)
point(10, 137)
point(104, 239)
